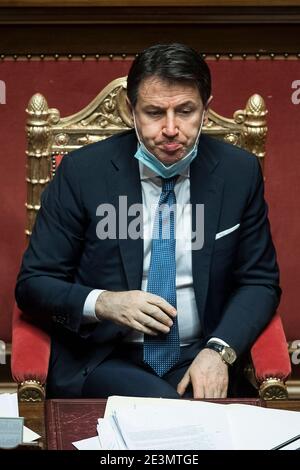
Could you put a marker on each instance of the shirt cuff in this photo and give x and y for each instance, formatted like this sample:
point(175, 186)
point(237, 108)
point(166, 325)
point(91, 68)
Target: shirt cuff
point(218, 340)
point(89, 308)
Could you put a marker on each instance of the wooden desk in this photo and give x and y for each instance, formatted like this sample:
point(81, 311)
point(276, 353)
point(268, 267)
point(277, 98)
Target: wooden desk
point(292, 405)
point(34, 414)
point(74, 419)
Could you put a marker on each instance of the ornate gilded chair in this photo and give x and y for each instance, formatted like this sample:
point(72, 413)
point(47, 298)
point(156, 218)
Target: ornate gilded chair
point(50, 137)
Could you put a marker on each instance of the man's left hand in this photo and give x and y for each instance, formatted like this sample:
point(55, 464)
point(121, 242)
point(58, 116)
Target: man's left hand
point(208, 375)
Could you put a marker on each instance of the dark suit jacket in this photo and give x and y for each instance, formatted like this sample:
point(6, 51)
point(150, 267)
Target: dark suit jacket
point(235, 277)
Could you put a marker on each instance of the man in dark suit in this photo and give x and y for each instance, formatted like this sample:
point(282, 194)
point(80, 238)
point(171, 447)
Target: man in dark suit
point(134, 312)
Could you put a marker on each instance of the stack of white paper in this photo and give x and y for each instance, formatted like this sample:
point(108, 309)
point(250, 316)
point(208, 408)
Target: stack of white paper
point(161, 424)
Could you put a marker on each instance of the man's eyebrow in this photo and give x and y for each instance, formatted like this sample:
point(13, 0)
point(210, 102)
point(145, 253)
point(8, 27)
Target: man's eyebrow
point(186, 103)
point(153, 106)
point(180, 105)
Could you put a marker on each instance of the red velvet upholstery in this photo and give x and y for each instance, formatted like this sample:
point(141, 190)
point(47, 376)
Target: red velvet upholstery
point(30, 350)
point(58, 159)
point(269, 354)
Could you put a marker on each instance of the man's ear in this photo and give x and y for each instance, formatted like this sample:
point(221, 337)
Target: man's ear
point(208, 102)
point(206, 109)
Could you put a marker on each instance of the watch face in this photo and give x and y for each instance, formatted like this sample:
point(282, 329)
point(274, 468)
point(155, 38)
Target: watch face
point(229, 355)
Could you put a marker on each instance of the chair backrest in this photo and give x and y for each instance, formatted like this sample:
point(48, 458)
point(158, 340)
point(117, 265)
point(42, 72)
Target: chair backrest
point(50, 136)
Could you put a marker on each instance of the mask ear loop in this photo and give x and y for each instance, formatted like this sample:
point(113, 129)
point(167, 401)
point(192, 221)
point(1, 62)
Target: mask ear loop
point(135, 127)
point(200, 128)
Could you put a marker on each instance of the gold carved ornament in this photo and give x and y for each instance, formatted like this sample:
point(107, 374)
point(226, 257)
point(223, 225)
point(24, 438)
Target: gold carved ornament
point(31, 391)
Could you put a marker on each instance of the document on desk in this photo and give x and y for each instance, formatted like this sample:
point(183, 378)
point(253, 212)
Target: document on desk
point(153, 423)
point(253, 427)
point(185, 428)
point(92, 443)
point(109, 435)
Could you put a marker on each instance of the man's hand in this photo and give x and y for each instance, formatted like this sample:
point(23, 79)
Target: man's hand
point(141, 311)
point(208, 375)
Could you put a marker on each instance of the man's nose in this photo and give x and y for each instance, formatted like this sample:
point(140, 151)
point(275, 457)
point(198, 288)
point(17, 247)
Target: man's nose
point(170, 128)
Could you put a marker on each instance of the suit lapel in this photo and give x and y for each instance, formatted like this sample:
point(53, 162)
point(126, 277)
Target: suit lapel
point(125, 182)
point(206, 189)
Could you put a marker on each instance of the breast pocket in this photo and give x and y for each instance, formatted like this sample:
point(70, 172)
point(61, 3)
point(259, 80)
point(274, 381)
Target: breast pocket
point(227, 239)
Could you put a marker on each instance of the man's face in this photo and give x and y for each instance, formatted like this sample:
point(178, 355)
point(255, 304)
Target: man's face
point(168, 118)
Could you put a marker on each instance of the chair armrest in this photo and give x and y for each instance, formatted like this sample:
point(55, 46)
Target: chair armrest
point(30, 357)
point(270, 358)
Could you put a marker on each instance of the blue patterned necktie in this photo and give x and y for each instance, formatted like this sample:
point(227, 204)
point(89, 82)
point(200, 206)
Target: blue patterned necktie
point(162, 352)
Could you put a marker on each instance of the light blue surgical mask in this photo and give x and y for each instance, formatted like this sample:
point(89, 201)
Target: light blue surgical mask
point(149, 159)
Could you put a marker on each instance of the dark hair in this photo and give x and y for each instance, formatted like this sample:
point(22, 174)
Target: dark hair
point(172, 63)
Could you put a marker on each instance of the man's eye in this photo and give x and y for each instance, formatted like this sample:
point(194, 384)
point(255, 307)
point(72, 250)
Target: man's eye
point(185, 112)
point(154, 113)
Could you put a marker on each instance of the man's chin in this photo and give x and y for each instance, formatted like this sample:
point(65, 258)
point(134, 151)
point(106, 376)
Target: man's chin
point(169, 159)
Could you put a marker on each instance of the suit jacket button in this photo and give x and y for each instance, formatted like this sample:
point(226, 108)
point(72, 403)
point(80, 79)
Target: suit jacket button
point(85, 371)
